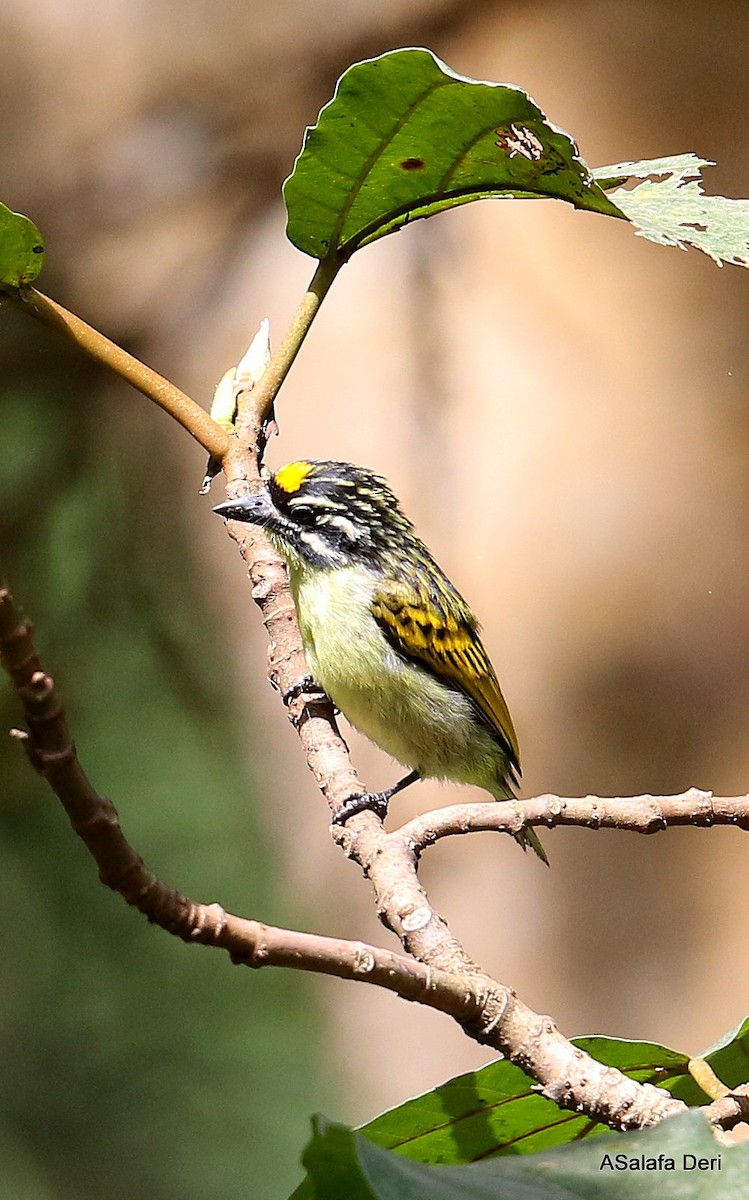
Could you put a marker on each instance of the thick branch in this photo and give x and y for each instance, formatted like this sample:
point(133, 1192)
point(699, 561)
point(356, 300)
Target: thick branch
point(184, 410)
point(488, 1011)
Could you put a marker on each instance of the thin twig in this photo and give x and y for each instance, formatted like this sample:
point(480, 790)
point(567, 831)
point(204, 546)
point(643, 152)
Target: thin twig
point(637, 814)
point(280, 365)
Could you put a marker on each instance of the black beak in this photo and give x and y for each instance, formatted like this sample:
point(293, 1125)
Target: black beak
point(256, 509)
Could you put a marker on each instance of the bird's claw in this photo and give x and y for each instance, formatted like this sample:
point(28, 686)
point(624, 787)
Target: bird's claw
point(305, 686)
point(312, 692)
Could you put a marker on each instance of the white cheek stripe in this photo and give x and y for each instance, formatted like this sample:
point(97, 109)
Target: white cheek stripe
point(346, 527)
point(320, 547)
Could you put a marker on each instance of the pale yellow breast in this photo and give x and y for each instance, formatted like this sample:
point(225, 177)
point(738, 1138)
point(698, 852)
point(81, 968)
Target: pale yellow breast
point(340, 637)
point(403, 709)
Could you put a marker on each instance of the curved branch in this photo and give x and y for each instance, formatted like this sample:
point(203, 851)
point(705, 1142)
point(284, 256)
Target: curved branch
point(184, 410)
point(52, 753)
point(444, 976)
point(638, 814)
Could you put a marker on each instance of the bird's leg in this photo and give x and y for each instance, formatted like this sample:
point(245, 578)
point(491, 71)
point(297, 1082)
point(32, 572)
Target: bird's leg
point(376, 802)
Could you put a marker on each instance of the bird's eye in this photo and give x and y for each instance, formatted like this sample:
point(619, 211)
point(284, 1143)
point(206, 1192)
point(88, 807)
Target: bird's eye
point(303, 512)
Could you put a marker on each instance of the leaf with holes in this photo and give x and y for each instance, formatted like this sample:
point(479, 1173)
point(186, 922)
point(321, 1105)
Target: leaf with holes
point(670, 207)
point(406, 137)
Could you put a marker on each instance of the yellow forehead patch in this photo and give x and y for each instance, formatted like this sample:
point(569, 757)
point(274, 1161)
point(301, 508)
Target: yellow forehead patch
point(292, 476)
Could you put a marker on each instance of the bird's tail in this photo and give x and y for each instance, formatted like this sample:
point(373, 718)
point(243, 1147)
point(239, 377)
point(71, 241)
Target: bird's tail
point(529, 838)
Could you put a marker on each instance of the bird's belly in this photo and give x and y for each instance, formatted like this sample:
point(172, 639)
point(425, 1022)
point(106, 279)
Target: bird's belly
point(407, 716)
point(405, 710)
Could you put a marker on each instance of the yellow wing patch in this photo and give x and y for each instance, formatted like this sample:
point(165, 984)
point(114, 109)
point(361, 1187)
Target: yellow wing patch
point(292, 476)
point(446, 642)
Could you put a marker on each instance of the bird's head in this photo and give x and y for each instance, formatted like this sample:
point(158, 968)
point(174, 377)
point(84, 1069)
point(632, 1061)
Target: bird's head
point(328, 514)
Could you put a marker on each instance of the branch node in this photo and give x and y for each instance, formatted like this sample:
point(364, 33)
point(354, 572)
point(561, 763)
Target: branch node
point(498, 1001)
point(416, 919)
point(208, 923)
point(47, 761)
point(364, 959)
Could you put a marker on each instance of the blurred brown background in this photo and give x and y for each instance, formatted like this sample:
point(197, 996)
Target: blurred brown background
point(562, 408)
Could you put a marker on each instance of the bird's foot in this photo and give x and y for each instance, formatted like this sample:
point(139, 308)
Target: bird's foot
point(304, 686)
point(375, 802)
point(313, 695)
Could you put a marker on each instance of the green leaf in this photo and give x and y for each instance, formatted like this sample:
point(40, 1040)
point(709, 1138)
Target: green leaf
point(406, 137)
point(656, 1164)
point(729, 1059)
point(21, 249)
point(332, 1163)
point(673, 210)
point(498, 1110)
point(496, 1114)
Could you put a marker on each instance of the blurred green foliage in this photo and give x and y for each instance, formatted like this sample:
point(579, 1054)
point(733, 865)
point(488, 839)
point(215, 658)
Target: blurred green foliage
point(133, 1065)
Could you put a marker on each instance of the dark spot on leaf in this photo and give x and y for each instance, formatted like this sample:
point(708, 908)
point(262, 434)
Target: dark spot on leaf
point(413, 164)
point(37, 249)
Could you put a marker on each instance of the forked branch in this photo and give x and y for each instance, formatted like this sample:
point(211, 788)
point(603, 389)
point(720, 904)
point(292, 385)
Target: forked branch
point(53, 755)
point(438, 971)
point(389, 861)
point(487, 1010)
